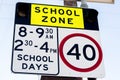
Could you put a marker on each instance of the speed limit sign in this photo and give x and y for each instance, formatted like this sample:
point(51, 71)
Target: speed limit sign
point(81, 53)
point(88, 49)
point(56, 40)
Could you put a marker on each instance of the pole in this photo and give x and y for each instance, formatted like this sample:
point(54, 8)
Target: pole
point(92, 79)
point(59, 78)
point(66, 3)
point(70, 3)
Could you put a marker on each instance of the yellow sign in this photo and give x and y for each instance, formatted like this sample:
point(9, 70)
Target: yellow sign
point(57, 16)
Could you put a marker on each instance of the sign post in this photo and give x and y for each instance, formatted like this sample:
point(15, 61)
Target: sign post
point(66, 3)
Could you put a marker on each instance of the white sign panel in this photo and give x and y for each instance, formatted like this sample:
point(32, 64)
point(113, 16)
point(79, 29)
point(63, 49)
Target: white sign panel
point(56, 40)
point(34, 49)
point(80, 53)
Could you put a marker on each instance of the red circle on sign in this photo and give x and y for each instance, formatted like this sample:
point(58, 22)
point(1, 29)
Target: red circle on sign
point(72, 66)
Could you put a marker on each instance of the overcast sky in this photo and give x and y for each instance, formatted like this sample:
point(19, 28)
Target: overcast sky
point(109, 23)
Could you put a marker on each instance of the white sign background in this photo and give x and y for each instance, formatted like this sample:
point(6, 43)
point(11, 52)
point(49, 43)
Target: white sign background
point(55, 67)
point(82, 63)
point(27, 55)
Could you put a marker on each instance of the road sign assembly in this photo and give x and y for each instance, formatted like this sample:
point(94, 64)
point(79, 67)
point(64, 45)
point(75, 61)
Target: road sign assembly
point(56, 40)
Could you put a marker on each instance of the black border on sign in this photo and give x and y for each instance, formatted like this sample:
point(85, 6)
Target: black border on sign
point(72, 66)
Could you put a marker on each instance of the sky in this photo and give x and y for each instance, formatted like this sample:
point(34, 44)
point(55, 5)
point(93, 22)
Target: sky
point(109, 15)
